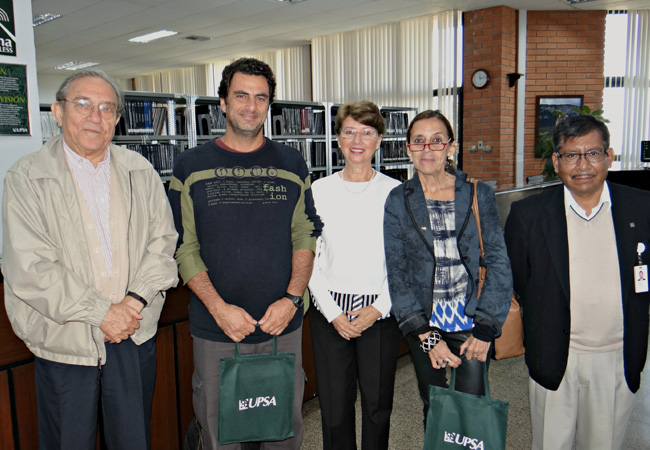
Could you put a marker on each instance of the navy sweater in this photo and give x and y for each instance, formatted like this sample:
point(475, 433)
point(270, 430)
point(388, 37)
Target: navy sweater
point(240, 216)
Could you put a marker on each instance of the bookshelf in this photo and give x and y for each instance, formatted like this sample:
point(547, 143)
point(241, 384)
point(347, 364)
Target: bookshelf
point(160, 126)
point(392, 157)
point(302, 125)
point(156, 126)
point(210, 120)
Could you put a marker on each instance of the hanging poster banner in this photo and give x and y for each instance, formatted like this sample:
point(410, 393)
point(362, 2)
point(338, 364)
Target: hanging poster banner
point(14, 110)
point(7, 28)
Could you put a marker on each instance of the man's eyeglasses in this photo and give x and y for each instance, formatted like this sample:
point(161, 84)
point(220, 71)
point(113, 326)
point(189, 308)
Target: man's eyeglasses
point(85, 107)
point(435, 146)
point(366, 134)
point(572, 158)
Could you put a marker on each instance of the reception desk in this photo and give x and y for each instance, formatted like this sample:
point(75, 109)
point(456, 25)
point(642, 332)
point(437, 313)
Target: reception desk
point(172, 404)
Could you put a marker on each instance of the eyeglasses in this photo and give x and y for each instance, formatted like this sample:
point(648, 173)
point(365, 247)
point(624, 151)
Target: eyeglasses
point(85, 107)
point(366, 134)
point(435, 146)
point(572, 158)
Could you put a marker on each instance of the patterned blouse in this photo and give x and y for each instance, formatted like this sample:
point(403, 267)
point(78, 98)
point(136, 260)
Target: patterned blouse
point(451, 278)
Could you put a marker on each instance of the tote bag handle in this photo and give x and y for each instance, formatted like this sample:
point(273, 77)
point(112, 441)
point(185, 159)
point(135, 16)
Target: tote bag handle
point(274, 352)
point(452, 380)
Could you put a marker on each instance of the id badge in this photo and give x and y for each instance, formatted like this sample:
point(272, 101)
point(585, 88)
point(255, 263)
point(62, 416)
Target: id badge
point(640, 279)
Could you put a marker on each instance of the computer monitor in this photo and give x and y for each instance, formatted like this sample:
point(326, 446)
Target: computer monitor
point(645, 151)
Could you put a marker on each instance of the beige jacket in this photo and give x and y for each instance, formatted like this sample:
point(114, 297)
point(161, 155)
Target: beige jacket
point(49, 294)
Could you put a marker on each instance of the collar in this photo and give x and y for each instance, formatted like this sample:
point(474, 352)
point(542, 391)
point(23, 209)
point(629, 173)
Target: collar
point(571, 205)
point(77, 160)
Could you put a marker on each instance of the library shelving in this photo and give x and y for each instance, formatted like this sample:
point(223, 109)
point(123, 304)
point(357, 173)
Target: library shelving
point(160, 126)
point(156, 126)
point(302, 125)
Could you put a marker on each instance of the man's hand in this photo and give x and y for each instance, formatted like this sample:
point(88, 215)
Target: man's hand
point(234, 321)
point(132, 303)
point(120, 322)
point(277, 316)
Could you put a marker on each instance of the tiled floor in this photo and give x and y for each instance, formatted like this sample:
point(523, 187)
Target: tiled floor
point(508, 381)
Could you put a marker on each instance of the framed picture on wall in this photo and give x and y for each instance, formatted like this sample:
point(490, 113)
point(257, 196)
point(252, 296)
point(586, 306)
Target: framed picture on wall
point(548, 108)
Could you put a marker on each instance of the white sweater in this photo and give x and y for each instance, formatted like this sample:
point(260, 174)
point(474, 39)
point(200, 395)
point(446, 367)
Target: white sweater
point(350, 251)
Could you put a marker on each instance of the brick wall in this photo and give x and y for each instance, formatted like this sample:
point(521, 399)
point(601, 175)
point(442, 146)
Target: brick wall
point(490, 43)
point(564, 56)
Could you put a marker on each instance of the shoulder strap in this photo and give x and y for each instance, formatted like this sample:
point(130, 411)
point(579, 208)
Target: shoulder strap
point(477, 217)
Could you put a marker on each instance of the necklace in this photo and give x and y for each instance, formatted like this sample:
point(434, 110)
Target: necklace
point(367, 183)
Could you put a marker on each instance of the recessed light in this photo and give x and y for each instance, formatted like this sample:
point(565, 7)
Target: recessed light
point(153, 36)
point(43, 18)
point(291, 2)
point(74, 65)
point(573, 2)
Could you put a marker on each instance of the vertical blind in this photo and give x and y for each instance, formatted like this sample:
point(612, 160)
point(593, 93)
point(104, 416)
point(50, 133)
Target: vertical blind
point(398, 64)
point(290, 66)
point(636, 115)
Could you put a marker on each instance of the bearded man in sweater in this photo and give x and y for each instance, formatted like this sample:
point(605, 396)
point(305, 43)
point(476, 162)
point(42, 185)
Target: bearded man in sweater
point(575, 250)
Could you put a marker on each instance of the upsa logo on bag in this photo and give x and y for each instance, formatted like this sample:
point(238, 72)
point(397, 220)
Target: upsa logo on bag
point(459, 439)
point(259, 402)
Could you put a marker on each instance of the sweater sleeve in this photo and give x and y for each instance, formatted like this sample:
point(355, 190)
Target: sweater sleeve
point(306, 225)
point(188, 255)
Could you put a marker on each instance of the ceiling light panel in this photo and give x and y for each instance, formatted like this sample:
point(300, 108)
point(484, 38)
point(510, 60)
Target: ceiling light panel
point(153, 36)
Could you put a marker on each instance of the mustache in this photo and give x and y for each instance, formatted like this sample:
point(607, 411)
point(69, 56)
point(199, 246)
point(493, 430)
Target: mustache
point(583, 174)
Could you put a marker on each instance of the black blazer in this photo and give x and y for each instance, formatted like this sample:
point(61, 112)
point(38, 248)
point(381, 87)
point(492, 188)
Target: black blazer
point(536, 237)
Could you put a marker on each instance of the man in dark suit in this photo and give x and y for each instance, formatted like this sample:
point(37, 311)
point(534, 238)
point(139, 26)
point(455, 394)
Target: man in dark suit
point(575, 250)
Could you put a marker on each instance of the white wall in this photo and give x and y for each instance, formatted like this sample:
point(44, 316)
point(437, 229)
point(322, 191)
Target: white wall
point(14, 147)
point(49, 84)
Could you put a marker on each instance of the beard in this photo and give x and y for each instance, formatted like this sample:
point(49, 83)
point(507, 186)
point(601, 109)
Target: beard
point(244, 128)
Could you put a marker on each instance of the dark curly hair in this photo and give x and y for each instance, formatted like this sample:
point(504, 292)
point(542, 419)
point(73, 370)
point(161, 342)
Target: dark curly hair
point(247, 66)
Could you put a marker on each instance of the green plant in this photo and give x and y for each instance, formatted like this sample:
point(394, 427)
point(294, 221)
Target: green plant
point(545, 147)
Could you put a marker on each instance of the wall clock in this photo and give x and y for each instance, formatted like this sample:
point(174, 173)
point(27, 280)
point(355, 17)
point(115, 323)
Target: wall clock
point(480, 78)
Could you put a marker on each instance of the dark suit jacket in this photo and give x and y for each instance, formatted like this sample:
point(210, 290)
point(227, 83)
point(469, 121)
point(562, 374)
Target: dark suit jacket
point(536, 236)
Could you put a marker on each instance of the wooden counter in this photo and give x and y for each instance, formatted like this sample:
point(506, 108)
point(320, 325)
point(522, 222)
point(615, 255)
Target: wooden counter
point(172, 405)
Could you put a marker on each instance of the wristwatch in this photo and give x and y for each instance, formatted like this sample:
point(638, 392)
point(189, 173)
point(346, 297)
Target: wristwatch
point(297, 301)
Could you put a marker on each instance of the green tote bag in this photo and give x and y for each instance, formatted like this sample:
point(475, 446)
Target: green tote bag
point(256, 396)
point(461, 421)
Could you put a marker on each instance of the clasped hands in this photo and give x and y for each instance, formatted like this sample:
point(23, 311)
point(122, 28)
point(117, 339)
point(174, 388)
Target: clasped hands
point(442, 357)
point(122, 320)
point(365, 317)
point(237, 323)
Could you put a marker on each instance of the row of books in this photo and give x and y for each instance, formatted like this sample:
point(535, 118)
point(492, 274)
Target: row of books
point(142, 117)
point(210, 120)
point(397, 122)
point(393, 151)
point(161, 156)
point(49, 127)
point(314, 153)
point(289, 121)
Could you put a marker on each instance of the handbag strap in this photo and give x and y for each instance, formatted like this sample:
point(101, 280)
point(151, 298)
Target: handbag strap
point(274, 352)
point(477, 217)
point(486, 383)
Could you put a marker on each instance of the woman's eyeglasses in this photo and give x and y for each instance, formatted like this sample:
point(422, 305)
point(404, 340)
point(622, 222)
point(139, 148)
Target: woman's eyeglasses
point(435, 146)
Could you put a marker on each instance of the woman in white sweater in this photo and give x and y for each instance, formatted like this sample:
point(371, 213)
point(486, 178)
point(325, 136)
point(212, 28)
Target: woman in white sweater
point(353, 335)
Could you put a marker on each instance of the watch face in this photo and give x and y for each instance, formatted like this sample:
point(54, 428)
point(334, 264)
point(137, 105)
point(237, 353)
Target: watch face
point(480, 79)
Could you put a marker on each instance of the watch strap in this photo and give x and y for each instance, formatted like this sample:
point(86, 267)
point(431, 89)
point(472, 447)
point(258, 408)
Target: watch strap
point(297, 300)
point(138, 298)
